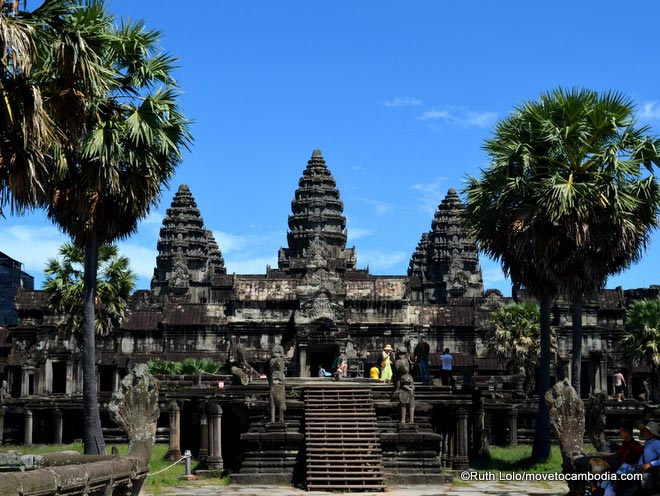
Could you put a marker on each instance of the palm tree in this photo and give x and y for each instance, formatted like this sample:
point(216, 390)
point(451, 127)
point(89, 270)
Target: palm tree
point(119, 149)
point(64, 287)
point(26, 128)
point(641, 338)
point(515, 338)
point(568, 199)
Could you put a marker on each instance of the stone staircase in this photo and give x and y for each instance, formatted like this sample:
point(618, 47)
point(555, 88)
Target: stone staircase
point(342, 442)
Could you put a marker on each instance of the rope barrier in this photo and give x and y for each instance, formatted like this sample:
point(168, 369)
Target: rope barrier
point(167, 468)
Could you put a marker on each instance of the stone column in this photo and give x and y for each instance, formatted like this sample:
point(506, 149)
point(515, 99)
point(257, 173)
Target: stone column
point(27, 436)
point(57, 426)
point(203, 436)
point(214, 460)
point(461, 459)
point(174, 452)
point(513, 427)
point(3, 409)
point(303, 368)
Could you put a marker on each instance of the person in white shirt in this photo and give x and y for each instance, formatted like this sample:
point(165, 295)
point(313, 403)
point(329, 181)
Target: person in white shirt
point(447, 367)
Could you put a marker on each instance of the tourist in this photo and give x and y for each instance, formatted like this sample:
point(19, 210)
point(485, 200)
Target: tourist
point(447, 367)
point(650, 459)
point(619, 384)
point(422, 351)
point(323, 372)
point(386, 364)
point(374, 372)
point(340, 366)
point(624, 461)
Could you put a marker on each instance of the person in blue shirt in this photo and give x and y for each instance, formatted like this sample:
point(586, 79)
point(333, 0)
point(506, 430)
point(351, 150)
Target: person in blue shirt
point(650, 458)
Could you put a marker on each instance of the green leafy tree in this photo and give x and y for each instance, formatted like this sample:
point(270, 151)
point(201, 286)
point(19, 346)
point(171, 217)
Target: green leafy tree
point(122, 139)
point(641, 339)
point(569, 198)
point(515, 339)
point(27, 130)
point(114, 285)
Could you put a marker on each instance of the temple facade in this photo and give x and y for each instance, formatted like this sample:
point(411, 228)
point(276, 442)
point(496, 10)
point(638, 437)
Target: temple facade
point(316, 304)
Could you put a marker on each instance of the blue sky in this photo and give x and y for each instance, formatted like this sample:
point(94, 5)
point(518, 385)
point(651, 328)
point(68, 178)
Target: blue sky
point(398, 96)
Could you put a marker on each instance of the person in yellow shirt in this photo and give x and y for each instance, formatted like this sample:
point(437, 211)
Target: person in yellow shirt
point(374, 373)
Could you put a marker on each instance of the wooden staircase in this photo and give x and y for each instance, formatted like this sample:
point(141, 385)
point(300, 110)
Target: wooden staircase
point(342, 441)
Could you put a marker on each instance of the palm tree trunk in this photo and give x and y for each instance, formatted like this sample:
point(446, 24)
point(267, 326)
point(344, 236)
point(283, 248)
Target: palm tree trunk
point(576, 354)
point(92, 432)
point(541, 447)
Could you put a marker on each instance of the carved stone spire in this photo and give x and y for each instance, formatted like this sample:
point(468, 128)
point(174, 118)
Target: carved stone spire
point(317, 226)
point(185, 248)
point(446, 260)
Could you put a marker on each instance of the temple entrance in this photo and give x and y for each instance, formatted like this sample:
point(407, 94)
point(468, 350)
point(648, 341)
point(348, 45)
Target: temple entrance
point(322, 354)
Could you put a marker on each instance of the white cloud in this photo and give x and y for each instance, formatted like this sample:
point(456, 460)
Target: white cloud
point(650, 111)
point(255, 265)
point(357, 233)
point(380, 260)
point(380, 207)
point(405, 101)
point(142, 260)
point(492, 275)
point(249, 253)
point(430, 194)
point(459, 116)
point(32, 246)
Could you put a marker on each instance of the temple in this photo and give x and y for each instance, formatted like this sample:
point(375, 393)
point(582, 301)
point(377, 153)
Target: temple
point(315, 304)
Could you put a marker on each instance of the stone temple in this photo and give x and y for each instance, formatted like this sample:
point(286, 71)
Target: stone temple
point(315, 304)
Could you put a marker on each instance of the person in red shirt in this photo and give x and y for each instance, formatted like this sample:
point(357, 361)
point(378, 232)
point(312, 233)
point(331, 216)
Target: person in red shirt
point(625, 461)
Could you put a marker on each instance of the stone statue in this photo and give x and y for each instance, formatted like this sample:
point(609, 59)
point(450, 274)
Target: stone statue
point(277, 393)
point(595, 420)
point(404, 390)
point(4, 392)
point(134, 407)
point(242, 372)
point(567, 420)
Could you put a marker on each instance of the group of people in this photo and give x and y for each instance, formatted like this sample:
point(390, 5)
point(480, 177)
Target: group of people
point(632, 457)
point(419, 357)
point(339, 368)
point(383, 370)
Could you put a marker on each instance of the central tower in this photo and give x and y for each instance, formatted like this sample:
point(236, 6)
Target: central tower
point(317, 226)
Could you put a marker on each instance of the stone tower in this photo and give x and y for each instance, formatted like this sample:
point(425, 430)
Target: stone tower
point(317, 226)
point(445, 262)
point(188, 255)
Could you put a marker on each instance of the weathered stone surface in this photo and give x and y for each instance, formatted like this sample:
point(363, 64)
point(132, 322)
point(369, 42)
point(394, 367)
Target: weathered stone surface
point(277, 392)
point(446, 262)
point(567, 420)
point(134, 407)
point(595, 420)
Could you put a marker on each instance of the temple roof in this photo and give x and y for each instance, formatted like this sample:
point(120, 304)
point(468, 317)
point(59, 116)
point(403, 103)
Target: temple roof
point(317, 225)
point(187, 251)
point(446, 260)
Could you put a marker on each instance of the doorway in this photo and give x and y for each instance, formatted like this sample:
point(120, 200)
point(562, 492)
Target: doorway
point(322, 354)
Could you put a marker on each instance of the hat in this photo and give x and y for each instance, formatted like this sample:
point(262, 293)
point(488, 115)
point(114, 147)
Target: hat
point(652, 427)
point(598, 465)
point(388, 347)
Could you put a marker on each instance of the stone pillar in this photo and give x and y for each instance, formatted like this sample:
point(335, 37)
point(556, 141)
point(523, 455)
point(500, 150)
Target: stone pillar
point(461, 459)
point(513, 427)
point(214, 460)
point(27, 437)
point(603, 376)
point(57, 426)
point(3, 409)
point(203, 436)
point(303, 368)
point(174, 452)
point(48, 380)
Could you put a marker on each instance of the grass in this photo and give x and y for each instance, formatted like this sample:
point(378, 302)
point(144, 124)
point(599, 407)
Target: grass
point(516, 458)
point(157, 462)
